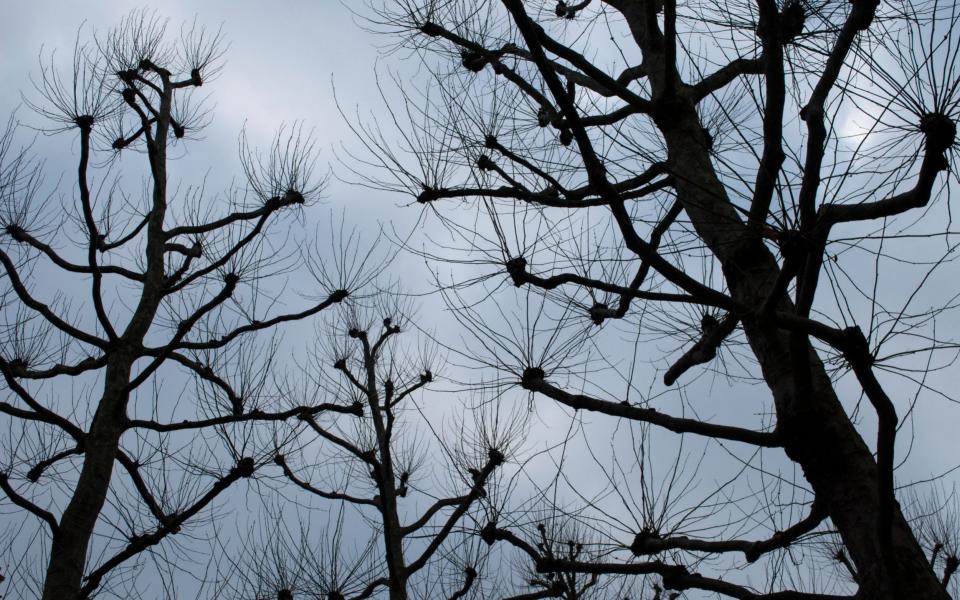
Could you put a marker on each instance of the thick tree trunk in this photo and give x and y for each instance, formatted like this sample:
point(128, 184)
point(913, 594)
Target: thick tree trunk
point(68, 551)
point(396, 565)
point(818, 433)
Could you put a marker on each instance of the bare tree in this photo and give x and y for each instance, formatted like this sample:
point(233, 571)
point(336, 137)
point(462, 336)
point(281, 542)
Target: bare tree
point(396, 475)
point(116, 300)
point(764, 183)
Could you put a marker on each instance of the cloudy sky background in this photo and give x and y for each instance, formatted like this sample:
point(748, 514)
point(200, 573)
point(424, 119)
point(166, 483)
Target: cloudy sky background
point(281, 65)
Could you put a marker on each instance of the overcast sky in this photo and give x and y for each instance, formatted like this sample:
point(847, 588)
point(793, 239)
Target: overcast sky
point(282, 62)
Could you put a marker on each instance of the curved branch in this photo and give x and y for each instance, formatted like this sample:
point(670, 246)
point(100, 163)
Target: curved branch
point(534, 382)
point(495, 460)
point(282, 463)
point(270, 206)
point(254, 415)
point(646, 543)
point(23, 237)
point(40, 412)
point(245, 468)
point(45, 310)
point(334, 298)
point(25, 504)
point(704, 350)
point(725, 74)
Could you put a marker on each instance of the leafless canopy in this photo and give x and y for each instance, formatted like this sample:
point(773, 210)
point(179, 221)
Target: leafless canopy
point(761, 190)
point(134, 320)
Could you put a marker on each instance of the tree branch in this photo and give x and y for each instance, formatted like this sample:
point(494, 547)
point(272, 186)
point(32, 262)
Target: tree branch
point(533, 381)
point(254, 415)
point(646, 543)
point(25, 504)
point(704, 350)
point(282, 463)
point(495, 460)
point(244, 468)
point(334, 298)
point(45, 310)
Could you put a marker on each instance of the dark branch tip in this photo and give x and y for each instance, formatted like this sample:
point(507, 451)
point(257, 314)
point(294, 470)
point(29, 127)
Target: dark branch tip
point(545, 116)
point(857, 347)
point(484, 163)
point(791, 21)
point(516, 268)
point(564, 11)
point(599, 312)
point(753, 553)
point(431, 29)
point(293, 196)
point(428, 194)
point(489, 533)
point(17, 232)
point(245, 467)
point(950, 566)
point(532, 377)
point(473, 60)
point(84, 122)
point(643, 542)
point(708, 323)
point(940, 131)
point(33, 475)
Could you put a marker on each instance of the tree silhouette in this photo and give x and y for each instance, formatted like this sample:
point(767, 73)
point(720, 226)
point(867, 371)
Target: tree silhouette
point(766, 184)
point(116, 297)
point(418, 484)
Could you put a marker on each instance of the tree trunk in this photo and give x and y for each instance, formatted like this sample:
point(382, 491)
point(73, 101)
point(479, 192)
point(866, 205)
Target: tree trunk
point(818, 434)
point(393, 544)
point(68, 551)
